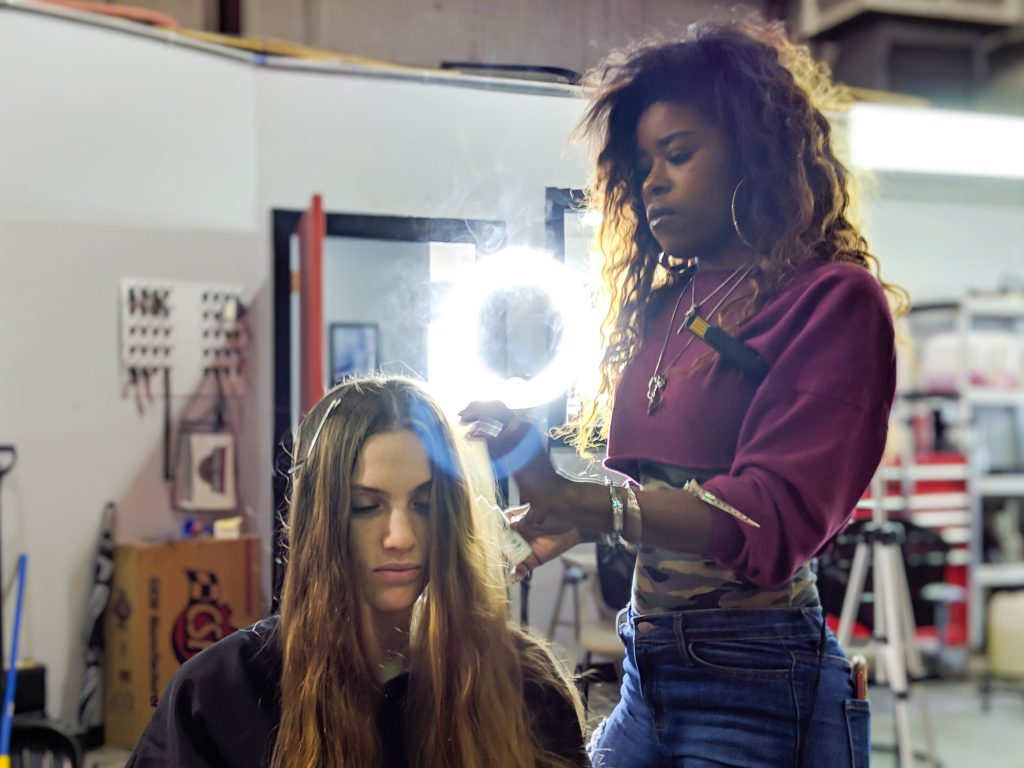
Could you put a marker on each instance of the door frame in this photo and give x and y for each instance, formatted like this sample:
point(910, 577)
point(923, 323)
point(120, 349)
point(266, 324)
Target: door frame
point(487, 235)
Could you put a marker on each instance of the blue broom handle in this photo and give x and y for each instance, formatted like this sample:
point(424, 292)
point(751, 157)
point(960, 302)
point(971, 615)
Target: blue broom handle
point(12, 667)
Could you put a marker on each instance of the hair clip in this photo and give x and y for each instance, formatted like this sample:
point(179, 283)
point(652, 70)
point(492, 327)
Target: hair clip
point(490, 427)
point(312, 443)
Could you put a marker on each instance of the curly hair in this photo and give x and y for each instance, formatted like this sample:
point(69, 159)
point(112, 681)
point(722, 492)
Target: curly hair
point(768, 96)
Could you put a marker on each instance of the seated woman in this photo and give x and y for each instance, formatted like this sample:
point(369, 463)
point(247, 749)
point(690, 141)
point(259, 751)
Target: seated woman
point(393, 647)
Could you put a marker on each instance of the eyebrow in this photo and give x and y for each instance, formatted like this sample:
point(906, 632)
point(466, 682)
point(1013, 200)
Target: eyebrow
point(369, 489)
point(664, 142)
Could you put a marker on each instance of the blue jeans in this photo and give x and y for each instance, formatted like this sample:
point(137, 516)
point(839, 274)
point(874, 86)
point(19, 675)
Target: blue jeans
point(731, 687)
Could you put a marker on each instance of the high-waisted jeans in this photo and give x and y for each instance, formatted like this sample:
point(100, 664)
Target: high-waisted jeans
point(732, 687)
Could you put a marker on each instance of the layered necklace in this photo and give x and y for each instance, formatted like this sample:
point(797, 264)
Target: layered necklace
point(656, 384)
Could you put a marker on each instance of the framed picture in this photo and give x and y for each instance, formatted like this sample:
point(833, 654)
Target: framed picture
point(353, 348)
point(205, 477)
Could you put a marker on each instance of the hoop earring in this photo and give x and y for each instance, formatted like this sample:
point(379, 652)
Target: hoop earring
point(735, 220)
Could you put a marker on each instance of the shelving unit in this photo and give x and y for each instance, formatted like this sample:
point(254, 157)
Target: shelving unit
point(931, 492)
point(967, 399)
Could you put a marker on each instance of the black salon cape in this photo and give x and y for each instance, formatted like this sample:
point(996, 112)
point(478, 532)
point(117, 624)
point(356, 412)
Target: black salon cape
point(222, 710)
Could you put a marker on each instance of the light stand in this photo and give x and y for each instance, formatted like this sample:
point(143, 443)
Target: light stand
point(898, 660)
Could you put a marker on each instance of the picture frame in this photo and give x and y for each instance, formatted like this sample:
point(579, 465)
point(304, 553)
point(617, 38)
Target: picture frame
point(354, 349)
point(205, 480)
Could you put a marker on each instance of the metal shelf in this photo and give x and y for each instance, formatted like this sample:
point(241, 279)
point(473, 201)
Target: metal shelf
point(942, 519)
point(1001, 485)
point(1010, 306)
point(926, 472)
point(1008, 398)
point(914, 396)
point(937, 502)
point(962, 523)
point(1000, 574)
point(1003, 307)
point(934, 306)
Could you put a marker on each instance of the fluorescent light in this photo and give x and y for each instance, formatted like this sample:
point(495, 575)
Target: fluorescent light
point(936, 141)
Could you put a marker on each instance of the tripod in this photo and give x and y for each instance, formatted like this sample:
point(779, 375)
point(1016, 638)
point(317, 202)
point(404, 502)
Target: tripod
point(898, 659)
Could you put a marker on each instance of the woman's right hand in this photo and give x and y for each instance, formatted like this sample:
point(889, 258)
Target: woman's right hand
point(496, 424)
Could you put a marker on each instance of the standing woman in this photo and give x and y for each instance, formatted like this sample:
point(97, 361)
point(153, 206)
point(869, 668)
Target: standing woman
point(723, 203)
point(393, 647)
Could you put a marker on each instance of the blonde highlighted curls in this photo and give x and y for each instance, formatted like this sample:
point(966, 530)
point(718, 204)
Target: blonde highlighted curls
point(465, 702)
point(768, 97)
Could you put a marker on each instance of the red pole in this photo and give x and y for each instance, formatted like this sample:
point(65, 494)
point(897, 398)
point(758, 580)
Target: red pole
point(312, 230)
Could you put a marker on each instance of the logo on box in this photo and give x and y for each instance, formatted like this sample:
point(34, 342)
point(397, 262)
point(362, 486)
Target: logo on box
point(204, 621)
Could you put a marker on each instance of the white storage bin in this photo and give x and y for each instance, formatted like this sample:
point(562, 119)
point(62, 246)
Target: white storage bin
point(1006, 634)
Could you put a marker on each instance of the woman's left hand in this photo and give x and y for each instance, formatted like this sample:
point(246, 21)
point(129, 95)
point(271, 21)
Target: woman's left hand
point(548, 539)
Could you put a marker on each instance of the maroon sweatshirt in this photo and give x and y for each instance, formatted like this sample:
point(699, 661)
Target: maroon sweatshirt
point(795, 452)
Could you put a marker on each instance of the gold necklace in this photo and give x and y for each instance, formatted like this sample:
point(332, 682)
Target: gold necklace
point(656, 384)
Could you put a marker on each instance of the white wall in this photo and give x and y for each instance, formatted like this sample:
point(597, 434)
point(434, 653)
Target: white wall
point(413, 149)
point(105, 127)
point(940, 237)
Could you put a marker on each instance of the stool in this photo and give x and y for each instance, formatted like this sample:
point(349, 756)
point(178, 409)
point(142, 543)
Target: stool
point(576, 568)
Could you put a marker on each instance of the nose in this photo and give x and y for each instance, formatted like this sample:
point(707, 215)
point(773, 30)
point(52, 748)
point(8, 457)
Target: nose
point(656, 182)
point(400, 535)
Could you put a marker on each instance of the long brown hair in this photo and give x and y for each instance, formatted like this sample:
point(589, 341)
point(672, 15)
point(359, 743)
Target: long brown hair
point(768, 96)
point(468, 667)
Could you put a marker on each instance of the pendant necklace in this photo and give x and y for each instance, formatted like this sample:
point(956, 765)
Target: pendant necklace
point(656, 384)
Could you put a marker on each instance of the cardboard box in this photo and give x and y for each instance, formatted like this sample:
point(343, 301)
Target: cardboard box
point(169, 602)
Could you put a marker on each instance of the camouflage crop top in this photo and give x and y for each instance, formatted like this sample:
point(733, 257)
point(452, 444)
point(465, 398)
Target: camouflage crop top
point(666, 581)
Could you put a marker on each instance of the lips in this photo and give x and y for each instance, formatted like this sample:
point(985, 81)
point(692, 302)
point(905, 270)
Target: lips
point(398, 573)
point(657, 214)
